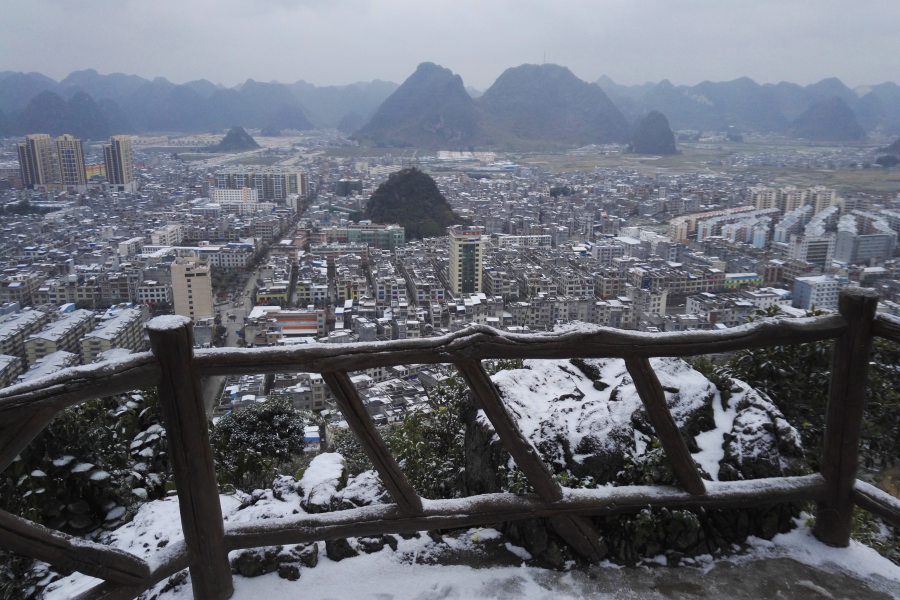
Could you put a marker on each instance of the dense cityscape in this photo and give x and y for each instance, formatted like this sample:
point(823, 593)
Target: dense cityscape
point(100, 239)
point(388, 300)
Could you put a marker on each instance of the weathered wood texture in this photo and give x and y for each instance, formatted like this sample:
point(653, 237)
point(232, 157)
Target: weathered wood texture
point(77, 384)
point(887, 326)
point(16, 434)
point(27, 408)
point(654, 399)
point(362, 425)
point(174, 558)
point(495, 508)
point(846, 401)
point(69, 553)
point(575, 529)
point(478, 342)
point(877, 502)
point(191, 456)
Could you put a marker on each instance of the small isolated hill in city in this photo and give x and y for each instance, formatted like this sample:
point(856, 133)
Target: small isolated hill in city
point(548, 104)
point(893, 148)
point(412, 199)
point(829, 120)
point(653, 135)
point(431, 109)
point(236, 140)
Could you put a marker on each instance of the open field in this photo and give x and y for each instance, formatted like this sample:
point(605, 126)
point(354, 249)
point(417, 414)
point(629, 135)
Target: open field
point(266, 161)
point(711, 158)
point(351, 151)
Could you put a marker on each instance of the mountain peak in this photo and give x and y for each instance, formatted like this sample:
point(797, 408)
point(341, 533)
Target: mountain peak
point(827, 120)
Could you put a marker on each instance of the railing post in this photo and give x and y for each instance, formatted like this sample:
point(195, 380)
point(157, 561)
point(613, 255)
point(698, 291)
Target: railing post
point(846, 401)
point(172, 342)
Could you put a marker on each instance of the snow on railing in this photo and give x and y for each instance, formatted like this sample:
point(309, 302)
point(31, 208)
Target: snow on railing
point(176, 369)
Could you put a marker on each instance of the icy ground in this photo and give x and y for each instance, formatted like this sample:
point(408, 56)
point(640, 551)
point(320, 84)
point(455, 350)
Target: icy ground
point(480, 563)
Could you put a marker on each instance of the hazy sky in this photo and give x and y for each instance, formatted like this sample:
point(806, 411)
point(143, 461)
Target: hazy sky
point(331, 42)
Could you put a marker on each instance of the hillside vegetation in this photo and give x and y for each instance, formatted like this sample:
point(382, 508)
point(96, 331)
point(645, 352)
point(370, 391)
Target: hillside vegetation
point(412, 199)
point(236, 140)
point(653, 135)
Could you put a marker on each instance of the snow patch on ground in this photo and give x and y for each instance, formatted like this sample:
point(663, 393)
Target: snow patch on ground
point(402, 574)
point(711, 442)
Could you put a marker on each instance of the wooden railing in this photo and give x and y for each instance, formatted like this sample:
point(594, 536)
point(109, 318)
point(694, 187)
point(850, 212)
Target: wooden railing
point(176, 369)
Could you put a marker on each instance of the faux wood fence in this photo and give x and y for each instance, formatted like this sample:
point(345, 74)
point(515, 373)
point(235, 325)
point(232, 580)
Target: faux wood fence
point(173, 366)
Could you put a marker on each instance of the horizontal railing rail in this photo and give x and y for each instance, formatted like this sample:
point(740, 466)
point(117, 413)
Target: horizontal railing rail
point(176, 369)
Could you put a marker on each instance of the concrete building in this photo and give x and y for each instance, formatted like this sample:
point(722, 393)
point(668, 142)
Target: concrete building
point(70, 159)
point(192, 289)
point(271, 183)
point(62, 335)
point(466, 259)
point(36, 160)
point(15, 328)
point(154, 292)
point(277, 325)
point(864, 236)
point(820, 292)
point(242, 195)
point(763, 197)
point(119, 163)
point(49, 364)
point(124, 330)
point(10, 368)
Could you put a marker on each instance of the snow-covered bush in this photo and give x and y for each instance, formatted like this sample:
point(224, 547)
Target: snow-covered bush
point(254, 444)
point(85, 474)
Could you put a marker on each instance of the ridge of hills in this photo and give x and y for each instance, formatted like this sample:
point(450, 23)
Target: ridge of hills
point(827, 120)
point(747, 106)
point(80, 116)
point(431, 108)
point(528, 106)
point(549, 104)
point(160, 105)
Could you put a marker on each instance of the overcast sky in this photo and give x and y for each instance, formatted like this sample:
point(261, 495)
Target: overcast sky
point(333, 42)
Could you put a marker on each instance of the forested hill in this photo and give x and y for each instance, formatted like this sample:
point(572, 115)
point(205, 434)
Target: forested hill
point(412, 199)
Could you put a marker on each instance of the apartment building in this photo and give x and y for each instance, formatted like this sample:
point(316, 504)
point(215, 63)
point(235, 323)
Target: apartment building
point(124, 330)
point(192, 289)
point(62, 335)
point(15, 329)
point(466, 259)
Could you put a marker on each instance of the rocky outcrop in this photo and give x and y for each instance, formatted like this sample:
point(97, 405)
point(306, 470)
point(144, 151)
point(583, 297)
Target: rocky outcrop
point(761, 442)
point(587, 421)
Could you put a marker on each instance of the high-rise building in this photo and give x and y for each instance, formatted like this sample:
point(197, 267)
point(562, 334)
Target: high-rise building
point(763, 197)
point(119, 163)
point(822, 197)
point(270, 183)
point(192, 289)
point(70, 158)
point(466, 259)
point(36, 160)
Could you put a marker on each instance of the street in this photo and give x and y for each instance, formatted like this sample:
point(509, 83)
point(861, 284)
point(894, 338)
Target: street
point(212, 385)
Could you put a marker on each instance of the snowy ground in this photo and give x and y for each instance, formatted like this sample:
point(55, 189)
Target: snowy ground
point(481, 564)
point(549, 397)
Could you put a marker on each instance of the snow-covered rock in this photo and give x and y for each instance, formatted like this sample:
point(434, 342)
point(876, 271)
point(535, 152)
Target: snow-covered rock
point(761, 442)
point(325, 476)
point(586, 417)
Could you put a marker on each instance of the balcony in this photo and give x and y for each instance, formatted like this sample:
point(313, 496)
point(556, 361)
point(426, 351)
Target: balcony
point(176, 369)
